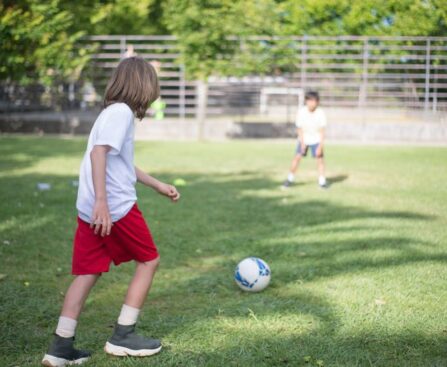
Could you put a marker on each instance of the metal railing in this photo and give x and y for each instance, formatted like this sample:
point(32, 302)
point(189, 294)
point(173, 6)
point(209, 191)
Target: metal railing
point(405, 73)
point(348, 71)
point(176, 92)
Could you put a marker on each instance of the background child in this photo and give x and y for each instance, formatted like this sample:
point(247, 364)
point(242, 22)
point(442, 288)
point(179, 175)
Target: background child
point(310, 123)
point(110, 225)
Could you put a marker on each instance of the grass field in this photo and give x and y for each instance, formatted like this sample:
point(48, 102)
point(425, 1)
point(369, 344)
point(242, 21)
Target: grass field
point(359, 275)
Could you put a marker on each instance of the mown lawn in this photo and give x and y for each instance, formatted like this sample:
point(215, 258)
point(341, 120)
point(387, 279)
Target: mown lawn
point(359, 275)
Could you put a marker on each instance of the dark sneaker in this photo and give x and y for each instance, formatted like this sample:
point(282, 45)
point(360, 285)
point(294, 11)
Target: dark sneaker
point(124, 342)
point(62, 353)
point(287, 184)
point(324, 186)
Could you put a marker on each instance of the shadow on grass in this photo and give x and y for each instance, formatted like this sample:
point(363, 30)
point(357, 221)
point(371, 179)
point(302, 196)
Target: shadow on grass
point(221, 219)
point(22, 152)
point(315, 349)
point(337, 179)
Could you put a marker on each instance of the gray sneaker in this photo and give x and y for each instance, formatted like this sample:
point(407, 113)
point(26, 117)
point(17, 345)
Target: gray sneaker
point(62, 353)
point(124, 342)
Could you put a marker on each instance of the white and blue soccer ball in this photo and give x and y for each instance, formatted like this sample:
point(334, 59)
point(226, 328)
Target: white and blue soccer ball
point(252, 274)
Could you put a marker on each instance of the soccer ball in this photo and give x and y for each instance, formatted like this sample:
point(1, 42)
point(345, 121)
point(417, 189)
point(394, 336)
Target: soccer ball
point(252, 274)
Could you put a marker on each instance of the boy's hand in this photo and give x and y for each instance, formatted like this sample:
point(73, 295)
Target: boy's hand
point(169, 191)
point(303, 148)
point(101, 220)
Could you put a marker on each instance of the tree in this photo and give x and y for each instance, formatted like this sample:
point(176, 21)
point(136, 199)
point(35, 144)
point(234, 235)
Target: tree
point(116, 16)
point(206, 30)
point(365, 17)
point(36, 44)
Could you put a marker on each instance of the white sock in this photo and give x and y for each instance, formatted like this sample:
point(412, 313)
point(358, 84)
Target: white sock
point(66, 327)
point(290, 177)
point(128, 315)
point(322, 180)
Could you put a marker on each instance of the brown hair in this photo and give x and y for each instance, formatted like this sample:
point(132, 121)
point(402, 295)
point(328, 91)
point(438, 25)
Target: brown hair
point(135, 83)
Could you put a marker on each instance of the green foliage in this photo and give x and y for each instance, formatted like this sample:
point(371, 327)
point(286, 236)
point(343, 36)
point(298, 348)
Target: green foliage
point(116, 16)
point(204, 27)
point(35, 43)
point(39, 38)
point(365, 17)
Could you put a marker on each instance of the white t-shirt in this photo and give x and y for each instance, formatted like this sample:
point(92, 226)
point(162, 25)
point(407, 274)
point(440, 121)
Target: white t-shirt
point(114, 127)
point(311, 123)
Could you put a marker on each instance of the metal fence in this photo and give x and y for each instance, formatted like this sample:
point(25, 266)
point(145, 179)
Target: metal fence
point(176, 92)
point(365, 72)
point(406, 73)
point(348, 71)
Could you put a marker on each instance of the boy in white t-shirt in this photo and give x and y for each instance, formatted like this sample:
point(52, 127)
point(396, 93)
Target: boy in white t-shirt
point(111, 228)
point(310, 123)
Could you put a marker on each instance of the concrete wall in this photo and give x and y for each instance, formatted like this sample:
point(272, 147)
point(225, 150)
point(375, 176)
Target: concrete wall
point(414, 132)
point(343, 125)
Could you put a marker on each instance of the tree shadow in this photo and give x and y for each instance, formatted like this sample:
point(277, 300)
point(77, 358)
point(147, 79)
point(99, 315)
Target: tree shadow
point(408, 348)
point(22, 152)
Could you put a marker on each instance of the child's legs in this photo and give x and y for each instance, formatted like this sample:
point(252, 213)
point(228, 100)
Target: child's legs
point(320, 164)
point(295, 162)
point(77, 294)
point(141, 283)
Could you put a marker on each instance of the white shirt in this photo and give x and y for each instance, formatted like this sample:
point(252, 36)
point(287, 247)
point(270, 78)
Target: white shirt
point(311, 123)
point(113, 127)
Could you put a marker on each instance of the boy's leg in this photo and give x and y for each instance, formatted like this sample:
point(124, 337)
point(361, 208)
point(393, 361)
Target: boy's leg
point(61, 351)
point(299, 153)
point(321, 174)
point(124, 340)
point(76, 295)
point(295, 162)
point(141, 283)
point(293, 168)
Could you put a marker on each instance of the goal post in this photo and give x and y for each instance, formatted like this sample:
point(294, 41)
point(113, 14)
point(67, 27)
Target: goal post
point(266, 92)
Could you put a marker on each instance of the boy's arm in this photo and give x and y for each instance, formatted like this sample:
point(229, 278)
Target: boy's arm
point(101, 217)
point(162, 188)
point(322, 136)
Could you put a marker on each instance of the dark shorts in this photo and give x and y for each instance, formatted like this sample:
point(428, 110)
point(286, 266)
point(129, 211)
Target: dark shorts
point(313, 148)
point(129, 239)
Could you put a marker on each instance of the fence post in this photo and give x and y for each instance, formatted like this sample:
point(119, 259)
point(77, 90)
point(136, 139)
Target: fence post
point(122, 45)
point(202, 100)
point(303, 61)
point(427, 75)
point(363, 95)
point(182, 97)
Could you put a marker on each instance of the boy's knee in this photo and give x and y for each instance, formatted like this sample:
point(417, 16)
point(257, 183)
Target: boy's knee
point(151, 263)
point(156, 261)
point(88, 277)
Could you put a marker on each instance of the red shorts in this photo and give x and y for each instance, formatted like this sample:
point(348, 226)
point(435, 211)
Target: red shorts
point(130, 239)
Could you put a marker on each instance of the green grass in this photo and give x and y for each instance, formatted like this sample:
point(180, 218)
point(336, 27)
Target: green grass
point(359, 274)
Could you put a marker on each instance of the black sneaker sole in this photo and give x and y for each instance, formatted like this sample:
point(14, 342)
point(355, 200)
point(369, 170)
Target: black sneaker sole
point(116, 350)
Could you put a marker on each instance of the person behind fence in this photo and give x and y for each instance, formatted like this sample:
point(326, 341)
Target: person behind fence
point(311, 124)
point(110, 226)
